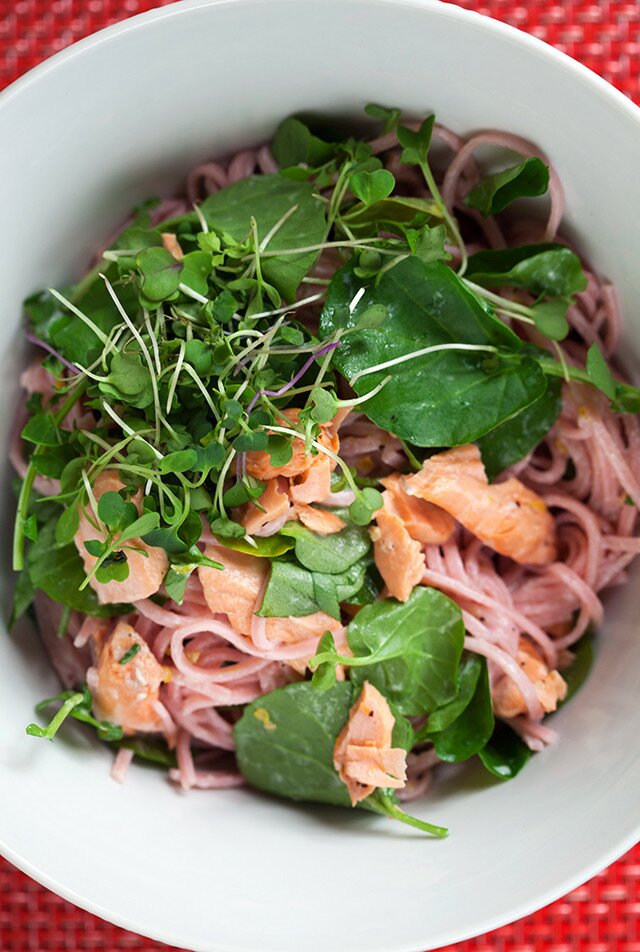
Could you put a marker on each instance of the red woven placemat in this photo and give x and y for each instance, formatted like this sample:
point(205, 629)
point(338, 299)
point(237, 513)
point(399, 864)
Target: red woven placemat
point(604, 914)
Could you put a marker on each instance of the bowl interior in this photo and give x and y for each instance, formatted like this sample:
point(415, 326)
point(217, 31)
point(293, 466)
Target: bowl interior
point(124, 116)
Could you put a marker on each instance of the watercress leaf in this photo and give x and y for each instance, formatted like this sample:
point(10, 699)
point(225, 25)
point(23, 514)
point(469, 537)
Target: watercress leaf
point(243, 491)
point(208, 457)
point(111, 509)
point(140, 527)
point(58, 571)
point(388, 116)
point(428, 244)
point(470, 715)
point(67, 524)
point(268, 198)
point(495, 192)
point(115, 568)
point(200, 356)
point(196, 268)
point(280, 449)
point(226, 529)
point(258, 440)
point(179, 462)
point(42, 430)
point(285, 739)
point(444, 398)
point(294, 143)
point(294, 591)
point(372, 187)
point(161, 273)
point(409, 650)
point(71, 476)
point(332, 554)
point(510, 442)
point(599, 372)
point(324, 677)
point(222, 308)
point(175, 581)
point(549, 269)
point(505, 754)
point(323, 406)
point(551, 318)
point(269, 547)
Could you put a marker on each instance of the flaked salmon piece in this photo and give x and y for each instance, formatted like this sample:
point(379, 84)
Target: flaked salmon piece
point(423, 521)
point(549, 685)
point(319, 520)
point(146, 572)
point(273, 503)
point(300, 628)
point(314, 485)
point(171, 244)
point(258, 462)
point(233, 590)
point(508, 517)
point(363, 755)
point(398, 557)
point(128, 694)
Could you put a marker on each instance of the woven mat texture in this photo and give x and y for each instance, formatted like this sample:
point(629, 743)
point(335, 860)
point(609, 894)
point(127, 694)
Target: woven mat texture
point(604, 914)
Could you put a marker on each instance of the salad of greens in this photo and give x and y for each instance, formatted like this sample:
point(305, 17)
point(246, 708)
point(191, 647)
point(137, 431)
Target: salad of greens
point(192, 381)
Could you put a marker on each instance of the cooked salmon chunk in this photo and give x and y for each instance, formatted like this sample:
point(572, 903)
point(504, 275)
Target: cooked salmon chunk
point(319, 520)
point(549, 685)
point(423, 521)
point(398, 557)
point(258, 462)
point(146, 571)
point(508, 517)
point(272, 504)
point(363, 755)
point(128, 693)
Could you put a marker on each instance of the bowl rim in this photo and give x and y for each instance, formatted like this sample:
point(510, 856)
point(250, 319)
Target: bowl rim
point(445, 9)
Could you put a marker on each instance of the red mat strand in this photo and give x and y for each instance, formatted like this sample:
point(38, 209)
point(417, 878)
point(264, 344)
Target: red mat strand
point(604, 914)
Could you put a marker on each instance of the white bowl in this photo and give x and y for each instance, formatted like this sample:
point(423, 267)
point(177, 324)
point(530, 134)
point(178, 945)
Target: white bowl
point(123, 115)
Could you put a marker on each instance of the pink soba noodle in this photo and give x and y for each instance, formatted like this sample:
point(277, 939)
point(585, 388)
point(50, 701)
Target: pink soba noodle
point(587, 470)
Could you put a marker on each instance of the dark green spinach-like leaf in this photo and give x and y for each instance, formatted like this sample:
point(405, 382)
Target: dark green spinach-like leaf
point(409, 650)
point(445, 398)
point(505, 755)
point(268, 198)
point(512, 440)
point(294, 143)
point(495, 192)
point(332, 554)
point(464, 726)
point(550, 269)
point(294, 591)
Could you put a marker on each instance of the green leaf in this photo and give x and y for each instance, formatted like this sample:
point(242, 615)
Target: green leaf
point(463, 728)
point(397, 214)
point(416, 144)
point(445, 398)
point(30, 528)
point(140, 527)
point(175, 582)
point(67, 524)
point(599, 372)
point(200, 356)
point(294, 591)
point(161, 273)
point(550, 269)
point(324, 677)
point(285, 740)
point(551, 318)
point(42, 430)
point(222, 308)
point(494, 193)
point(196, 268)
point(128, 380)
point(114, 568)
point(505, 755)
point(208, 457)
point(241, 492)
point(58, 571)
point(51, 461)
point(115, 512)
point(179, 462)
point(269, 547)
point(268, 198)
point(323, 407)
point(372, 187)
point(332, 554)
point(409, 650)
point(510, 442)
point(428, 244)
point(388, 116)
point(151, 750)
point(76, 704)
point(294, 143)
